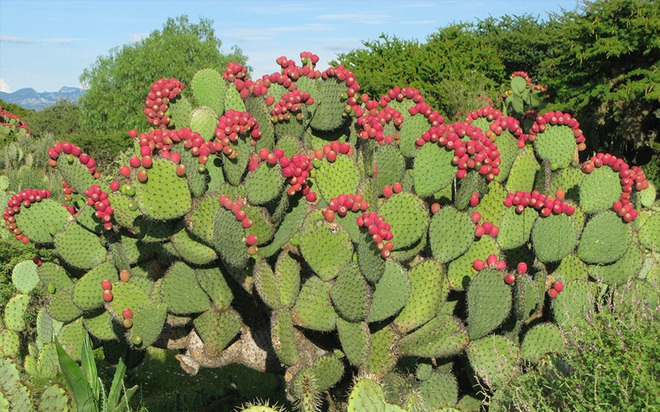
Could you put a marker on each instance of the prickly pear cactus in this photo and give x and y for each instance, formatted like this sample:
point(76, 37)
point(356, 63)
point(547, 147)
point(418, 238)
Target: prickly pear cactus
point(296, 226)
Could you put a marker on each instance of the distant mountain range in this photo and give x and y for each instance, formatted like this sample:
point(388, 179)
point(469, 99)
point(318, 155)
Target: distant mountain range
point(31, 99)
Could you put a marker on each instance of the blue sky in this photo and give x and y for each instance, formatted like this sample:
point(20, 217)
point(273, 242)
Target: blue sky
point(47, 44)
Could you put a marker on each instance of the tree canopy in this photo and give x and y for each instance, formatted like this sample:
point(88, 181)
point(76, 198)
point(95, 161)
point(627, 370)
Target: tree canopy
point(118, 83)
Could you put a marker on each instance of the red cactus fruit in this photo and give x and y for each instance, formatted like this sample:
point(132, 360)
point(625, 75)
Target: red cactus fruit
point(553, 293)
point(510, 278)
point(522, 268)
point(387, 191)
point(125, 275)
point(106, 284)
point(127, 313)
point(107, 295)
point(558, 286)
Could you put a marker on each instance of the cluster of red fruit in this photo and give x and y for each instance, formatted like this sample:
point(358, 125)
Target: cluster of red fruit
point(99, 200)
point(67, 190)
point(547, 205)
point(373, 126)
point(379, 230)
point(296, 169)
point(486, 112)
point(554, 119)
point(231, 125)
point(474, 199)
point(237, 73)
point(291, 102)
point(555, 289)
point(13, 121)
point(433, 116)
point(389, 191)
point(71, 149)
point(330, 151)
point(491, 261)
point(342, 204)
point(399, 93)
point(487, 228)
point(236, 207)
point(157, 102)
point(502, 124)
point(309, 59)
point(479, 153)
point(24, 198)
point(631, 177)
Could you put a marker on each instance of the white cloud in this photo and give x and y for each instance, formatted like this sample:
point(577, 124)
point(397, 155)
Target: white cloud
point(136, 37)
point(4, 86)
point(63, 40)
point(14, 39)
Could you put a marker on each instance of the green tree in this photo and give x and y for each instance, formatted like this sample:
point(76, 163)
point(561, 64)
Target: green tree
point(605, 65)
point(117, 83)
point(61, 119)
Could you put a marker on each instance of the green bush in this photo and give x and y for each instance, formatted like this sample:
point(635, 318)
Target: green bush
point(61, 119)
point(611, 364)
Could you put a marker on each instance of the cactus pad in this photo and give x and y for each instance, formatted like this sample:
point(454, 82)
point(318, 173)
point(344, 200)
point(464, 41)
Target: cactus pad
point(599, 189)
point(433, 169)
point(41, 220)
point(207, 85)
point(429, 288)
point(24, 276)
point(443, 336)
point(313, 309)
point(181, 291)
point(87, 293)
point(390, 294)
point(649, 234)
point(408, 218)
point(355, 340)
point(350, 293)
point(338, 177)
point(495, 359)
point(489, 302)
point(164, 195)
point(556, 144)
point(15, 312)
point(461, 270)
point(326, 247)
point(605, 239)
point(451, 233)
point(553, 237)
point(218, 328)
point(541, 339)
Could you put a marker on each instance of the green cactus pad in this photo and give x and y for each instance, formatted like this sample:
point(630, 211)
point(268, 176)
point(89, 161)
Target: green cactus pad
point(390, 165)
point(326, 247)
point(200, 219)
point(328, 370)
point(368, 395)
point(181, 291)
point(636, 294)
point(409, 253)
point(87, 293)
point(204, 120)
point(451, 233)
point(41, 220)
point(287, 274)
point(148, 322)
point(473, 182)
point(233, 100)
point(71, 337)
point(489, 302)
point(75, 173)
point(491, 206)
point(574, 303)
point(571, 268)
point(433, 170)
point(408, 217)
point(355, 339)
point(461, 271)
point(126, 295)
point(495, 359)
point(523, 171)
point(190, 249)
point(340, 177)
point(61, 306)
point(264, 184)
point(9, 374)
point(515, 229)
point(429, 288)
point(568, 180)
point(19, 397)
point(217, 329)
point(100, 326)
point(258, 109)
point(24, 276)
point(649, 234)
point(291, 223)
point(197, 178)
point(381, 359)
point(164, 195)
point(212, 281)
point(15, 312)
point(599, 189)
point(370, 260)
point(123, 214)
point(412, 129)
point(507, 145)
point(55, 398)
point(283, 336)
point(350, 293)
point(553, 237)
point(390, 294)
point(180, 110)
point(556, 144)
point(440, 390)
point(304, 390)
point(234, 169)
point(266, 284)
point(9, 343)
point(528, 297)
point(605, 239)
point(622, 271)
point(228, 238)
point(209, 88)
point(541, 339)
point(442, 337)
point(262, 226)
point(646, 197)
point(313, 309)
point(292, 126)
point(329, 112)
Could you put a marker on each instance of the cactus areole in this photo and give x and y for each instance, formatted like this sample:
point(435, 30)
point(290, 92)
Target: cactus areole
point(252, 211)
